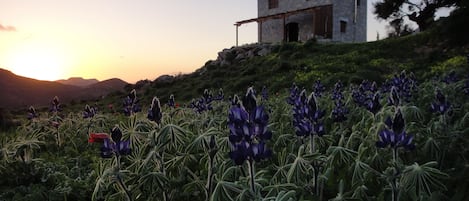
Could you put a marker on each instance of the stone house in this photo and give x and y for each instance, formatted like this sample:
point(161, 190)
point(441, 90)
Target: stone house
point(301, 20)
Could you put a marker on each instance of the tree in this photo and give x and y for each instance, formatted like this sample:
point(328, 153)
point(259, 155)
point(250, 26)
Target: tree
point(422, 12)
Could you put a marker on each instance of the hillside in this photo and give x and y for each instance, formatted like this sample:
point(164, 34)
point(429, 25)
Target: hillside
point(303, 63)
point(21, 92)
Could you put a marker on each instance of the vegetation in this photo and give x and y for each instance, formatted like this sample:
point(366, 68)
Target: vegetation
point(386, 120)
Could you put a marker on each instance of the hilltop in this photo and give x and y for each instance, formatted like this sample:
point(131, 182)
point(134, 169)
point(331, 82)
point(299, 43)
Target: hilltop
point(427, 55)
point(21, 92)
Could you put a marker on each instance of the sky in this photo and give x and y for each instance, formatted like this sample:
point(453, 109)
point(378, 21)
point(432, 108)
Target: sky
point(130, 40)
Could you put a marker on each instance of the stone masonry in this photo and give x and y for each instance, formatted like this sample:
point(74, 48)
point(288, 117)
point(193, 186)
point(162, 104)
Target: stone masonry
point(329, 20)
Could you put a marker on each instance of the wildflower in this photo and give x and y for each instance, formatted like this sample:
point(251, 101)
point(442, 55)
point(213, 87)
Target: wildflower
point(248, 131)
point(115, 145)
point(32, 114)
point(373, 105)
point(249, 100)
point(440, 105)
point(394, 135)
point(220, 96)
point(318, 88)
point(97, 137)
point(337, 91)
point(393, 98)
point(307, 115)
point(339, 113)
point(154, 113)
point(404, 83)
point(131, 103)
point(89, 112)
point(171, 101)
point(294, 93)
point(55, 105)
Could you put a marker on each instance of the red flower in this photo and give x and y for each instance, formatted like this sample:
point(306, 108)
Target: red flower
point(177, 105)
point(97, 137)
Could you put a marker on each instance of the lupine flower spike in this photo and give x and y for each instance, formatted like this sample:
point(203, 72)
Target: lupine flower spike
point(248, 131)
point(89, 112)
point(440, 105)
point(115, 146)
point(394, 135)
point(154, 113)
point(55, 105)
point(32, 114)
point(131, 103)
point(171, 101)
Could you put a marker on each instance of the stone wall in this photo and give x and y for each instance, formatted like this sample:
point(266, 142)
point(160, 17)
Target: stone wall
point(272, 30)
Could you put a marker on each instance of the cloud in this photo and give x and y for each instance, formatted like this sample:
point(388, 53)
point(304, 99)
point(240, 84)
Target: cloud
point(7, 28)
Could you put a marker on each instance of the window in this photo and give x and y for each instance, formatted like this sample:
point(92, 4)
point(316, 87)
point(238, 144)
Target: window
point(358, 2)
point(343, 26)
point(273, 4)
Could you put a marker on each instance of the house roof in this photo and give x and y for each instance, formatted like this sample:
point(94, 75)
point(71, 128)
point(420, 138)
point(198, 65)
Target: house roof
point(276, 16)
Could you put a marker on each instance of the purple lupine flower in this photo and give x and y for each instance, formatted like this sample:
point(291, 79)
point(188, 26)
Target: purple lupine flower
point(171, 101)
point(204, 103)
point(337, 91)
point(340, 112)
point(374, 106)
point(32, 114)
point(307, 115)
point(404, 83)
point(394, 134)
point(235, 101)
point(154, 113)
point(89, 112)
point(207, 96)
point(441, 104)
point(393, 98)
point(130, 103)
point(249, 100)
point(115, 146)
point(294, 93)
point(318, 88)
point(55, 105)
point(248, 132)
point(220, 96)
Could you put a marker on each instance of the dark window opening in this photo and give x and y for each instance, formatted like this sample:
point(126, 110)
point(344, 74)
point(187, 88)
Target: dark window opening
point(292, 31)
point(273, 4)
point(343, 26)
point(358, 2)
point(323, 22)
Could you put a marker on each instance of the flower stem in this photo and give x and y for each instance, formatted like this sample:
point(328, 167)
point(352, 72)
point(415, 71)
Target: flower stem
point(252, 175)
point(209, 178)
point(119, 179)
point(312, 144)
point(394, 182)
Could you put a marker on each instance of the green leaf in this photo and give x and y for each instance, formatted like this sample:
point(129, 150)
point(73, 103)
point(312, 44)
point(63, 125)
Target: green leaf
point(423, 179)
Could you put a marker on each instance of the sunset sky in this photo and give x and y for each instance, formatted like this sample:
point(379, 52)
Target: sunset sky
point(131, 40)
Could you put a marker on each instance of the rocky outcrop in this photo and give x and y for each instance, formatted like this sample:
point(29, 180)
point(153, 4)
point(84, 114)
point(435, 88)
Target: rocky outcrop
point(241, 53)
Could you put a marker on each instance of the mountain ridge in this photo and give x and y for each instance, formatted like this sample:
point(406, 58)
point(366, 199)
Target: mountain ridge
point(78, 81)
point(18, 91)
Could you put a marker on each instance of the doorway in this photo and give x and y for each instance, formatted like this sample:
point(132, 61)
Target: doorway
point(292, 31)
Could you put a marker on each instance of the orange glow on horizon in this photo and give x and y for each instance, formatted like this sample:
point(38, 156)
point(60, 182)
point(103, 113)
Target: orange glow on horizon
point(38, 60)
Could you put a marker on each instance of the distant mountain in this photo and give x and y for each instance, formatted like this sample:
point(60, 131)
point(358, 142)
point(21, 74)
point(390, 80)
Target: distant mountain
point(78, 81)
point(17, 91)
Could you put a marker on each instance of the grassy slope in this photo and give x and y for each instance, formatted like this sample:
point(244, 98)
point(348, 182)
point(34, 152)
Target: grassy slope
point(303, 63)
